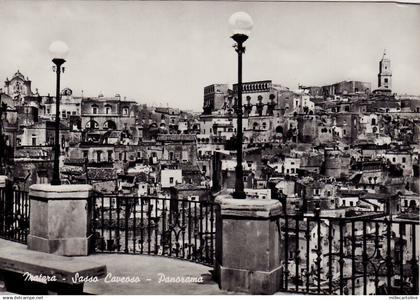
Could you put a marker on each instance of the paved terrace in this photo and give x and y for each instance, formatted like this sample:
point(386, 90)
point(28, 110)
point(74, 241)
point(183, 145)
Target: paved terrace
point(147, 268)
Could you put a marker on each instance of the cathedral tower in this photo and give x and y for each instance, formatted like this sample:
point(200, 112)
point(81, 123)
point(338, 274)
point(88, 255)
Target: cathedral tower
point(385, 73)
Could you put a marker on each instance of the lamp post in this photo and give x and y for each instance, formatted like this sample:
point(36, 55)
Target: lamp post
point(241, 24)
point(3, 109)
point(58, 50)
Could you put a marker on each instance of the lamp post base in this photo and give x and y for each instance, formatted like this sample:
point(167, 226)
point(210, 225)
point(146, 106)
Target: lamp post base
point(239, 195)
point(250, 227)
point(55, 181)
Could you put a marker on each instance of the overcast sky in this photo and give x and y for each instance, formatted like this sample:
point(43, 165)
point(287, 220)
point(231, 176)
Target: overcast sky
point(166, 52)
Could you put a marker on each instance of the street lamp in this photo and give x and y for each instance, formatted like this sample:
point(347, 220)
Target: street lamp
point(58, 50)
point(241, 24)
point(3, 110)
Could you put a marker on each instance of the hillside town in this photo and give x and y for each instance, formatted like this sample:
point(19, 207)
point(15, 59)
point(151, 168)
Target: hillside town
point(349, 149)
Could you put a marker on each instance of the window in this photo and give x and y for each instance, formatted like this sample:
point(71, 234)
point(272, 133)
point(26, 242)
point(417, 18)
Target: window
point(94, 109)
point(120, 156)
point(386, 79)
point(108, 109)
point(34, 141)
point(171, 180)
point(403, 159)
point(85, 154)
point(92, 124)
point(125, 111)
point(98, 156)
point(393, 159)
point(109, 155)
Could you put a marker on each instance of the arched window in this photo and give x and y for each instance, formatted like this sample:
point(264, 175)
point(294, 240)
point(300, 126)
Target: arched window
point(98, 156)
point(125, 111)
point(110, 125)
point(279, 129)
point(373, 121)
point(92, 124)
point(108, 109)
point(264, 125)
point(95, 109)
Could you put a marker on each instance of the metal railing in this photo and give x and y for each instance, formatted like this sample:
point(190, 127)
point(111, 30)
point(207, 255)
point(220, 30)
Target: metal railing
point(156, 226)
point(14, 214)
point(349, 256)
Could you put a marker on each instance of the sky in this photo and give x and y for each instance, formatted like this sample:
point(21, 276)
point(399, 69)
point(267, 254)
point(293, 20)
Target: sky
point(165, 53)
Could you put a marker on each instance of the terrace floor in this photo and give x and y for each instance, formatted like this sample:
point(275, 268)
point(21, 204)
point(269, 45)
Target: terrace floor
point(150, 269)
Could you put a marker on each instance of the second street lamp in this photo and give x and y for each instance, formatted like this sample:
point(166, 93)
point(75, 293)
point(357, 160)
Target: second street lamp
point(3, 111)
point(58, 50)
point(241, 24)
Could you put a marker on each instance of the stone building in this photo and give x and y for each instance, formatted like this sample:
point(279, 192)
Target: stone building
point(214, 97)
point(105, 113)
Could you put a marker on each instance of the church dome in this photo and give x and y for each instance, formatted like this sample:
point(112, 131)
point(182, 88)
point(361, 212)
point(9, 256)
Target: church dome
point(19, 75)
point(66, 92)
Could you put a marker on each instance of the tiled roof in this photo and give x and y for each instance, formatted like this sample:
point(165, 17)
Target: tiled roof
point(102, 174)
point(176, 137)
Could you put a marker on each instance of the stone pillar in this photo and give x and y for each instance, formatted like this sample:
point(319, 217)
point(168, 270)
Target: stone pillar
point(3, 181)
point(247, 245)
point(60, 219)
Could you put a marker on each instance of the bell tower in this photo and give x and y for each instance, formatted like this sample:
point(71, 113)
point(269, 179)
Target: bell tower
point(385, 73)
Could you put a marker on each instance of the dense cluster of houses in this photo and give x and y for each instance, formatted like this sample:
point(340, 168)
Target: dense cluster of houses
point(344, 149)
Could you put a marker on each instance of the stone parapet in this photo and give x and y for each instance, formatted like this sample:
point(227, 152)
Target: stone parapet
point(60, 219)
point(247, 245)
point(3, 181)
